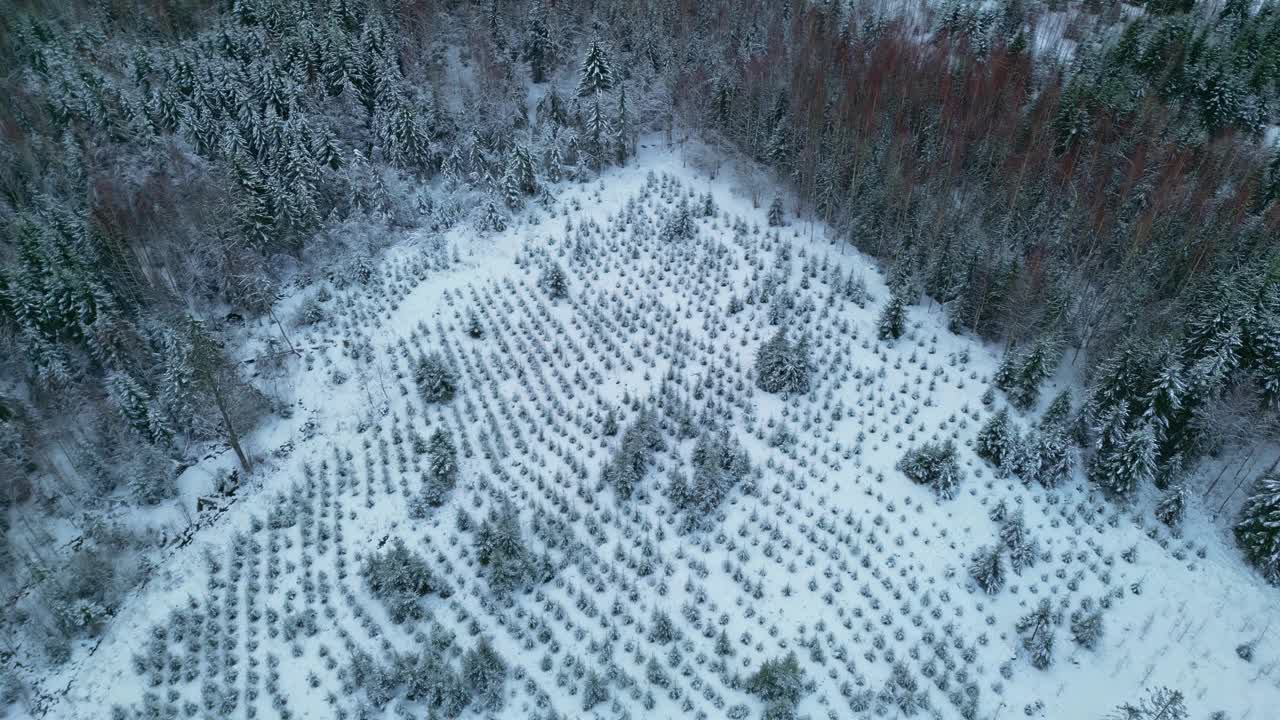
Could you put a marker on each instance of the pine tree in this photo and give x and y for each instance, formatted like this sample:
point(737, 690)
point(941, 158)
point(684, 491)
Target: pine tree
point(1257, 531)
point(594, 691)
point(1133, 463)
point(597, 74)
point(1051, 459)
point(598, 133)
point(997, 440)
point(622, 127)
point(484, 674)
point(1021, 547)
point(442, 468)
point(1036, 629)
point(435, 379)
point(135, 406)
point(1086, 626)
point(987, 569)
point(538, 46)
point(1058, 414)
point(501, 550)
point(554, 282)
point(1161, 704)
point(776, 216)
point(782, 366)
point(935, 465)
point(893, 320)
point(1172, 506)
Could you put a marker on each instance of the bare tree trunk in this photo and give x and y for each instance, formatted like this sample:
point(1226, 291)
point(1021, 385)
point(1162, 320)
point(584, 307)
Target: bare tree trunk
point(233, 437)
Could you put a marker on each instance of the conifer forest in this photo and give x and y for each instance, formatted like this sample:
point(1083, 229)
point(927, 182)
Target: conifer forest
point(631, 359)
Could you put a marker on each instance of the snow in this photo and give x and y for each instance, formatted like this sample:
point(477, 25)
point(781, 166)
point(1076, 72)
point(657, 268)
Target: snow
point(1185, 604)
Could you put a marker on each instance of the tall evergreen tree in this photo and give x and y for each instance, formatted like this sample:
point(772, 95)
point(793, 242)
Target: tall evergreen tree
point(1257, 531)
point(597, 72)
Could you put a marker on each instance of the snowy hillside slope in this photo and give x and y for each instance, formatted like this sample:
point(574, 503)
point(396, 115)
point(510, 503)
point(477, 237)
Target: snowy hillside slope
point(824, 549)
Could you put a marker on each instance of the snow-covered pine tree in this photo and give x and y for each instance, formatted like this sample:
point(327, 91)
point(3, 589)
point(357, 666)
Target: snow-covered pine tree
point(598, 133)
point(501, 550)
point(997, 441)
point(893, 320)
point(435, 379)
point(1036, 629)
point(1050, 456)
point(782, 366)
point(442, 467)
point(597, 73)
point(1257, 531)
point(1172, 506)
point(776, 216)
point(1086, 625)
point(539, 49)
point(484, 673)
point(554, 282)
point(136, 407)
point(680, 224)
point(1059, 411)
point(1023, 549)
point(1161, 703)
point(987, 569)
point(935, 465)
point(1133, 462)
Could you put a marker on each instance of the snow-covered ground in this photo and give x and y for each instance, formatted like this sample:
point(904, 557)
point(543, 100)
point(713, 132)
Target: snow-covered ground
point(836, 556)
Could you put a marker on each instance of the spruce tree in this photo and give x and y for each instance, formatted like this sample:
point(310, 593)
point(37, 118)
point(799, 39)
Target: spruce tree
point(776, 216)
point(1257, 531)
point(597, 74)
point(987, 569)
point(1132, 463)
point(997, 440)
point(538, 46)
point(1036, 629)
point(782, 366)
point(554, 282)
point(1086, 626)
point(893, 320)
point(435, 379)
point(935, 465)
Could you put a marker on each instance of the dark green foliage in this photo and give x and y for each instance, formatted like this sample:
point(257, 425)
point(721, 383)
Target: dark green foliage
point(435, 378)
point(776, 217)
point(1036, 629)
point(1172, 506)
point(597, 73)
point(997, 441)
point(508, 563)
point(893, 319)
point(484, 673)
point(778, 680)
point(935, 465)
point(399, 578)
point(1086, 626)
point(783, 366)
point(987, 569)
point(635, 453)
point(1257, 531)
point(1021, 373)
point(441, 475)
point(554, 282)
point(719, 464)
